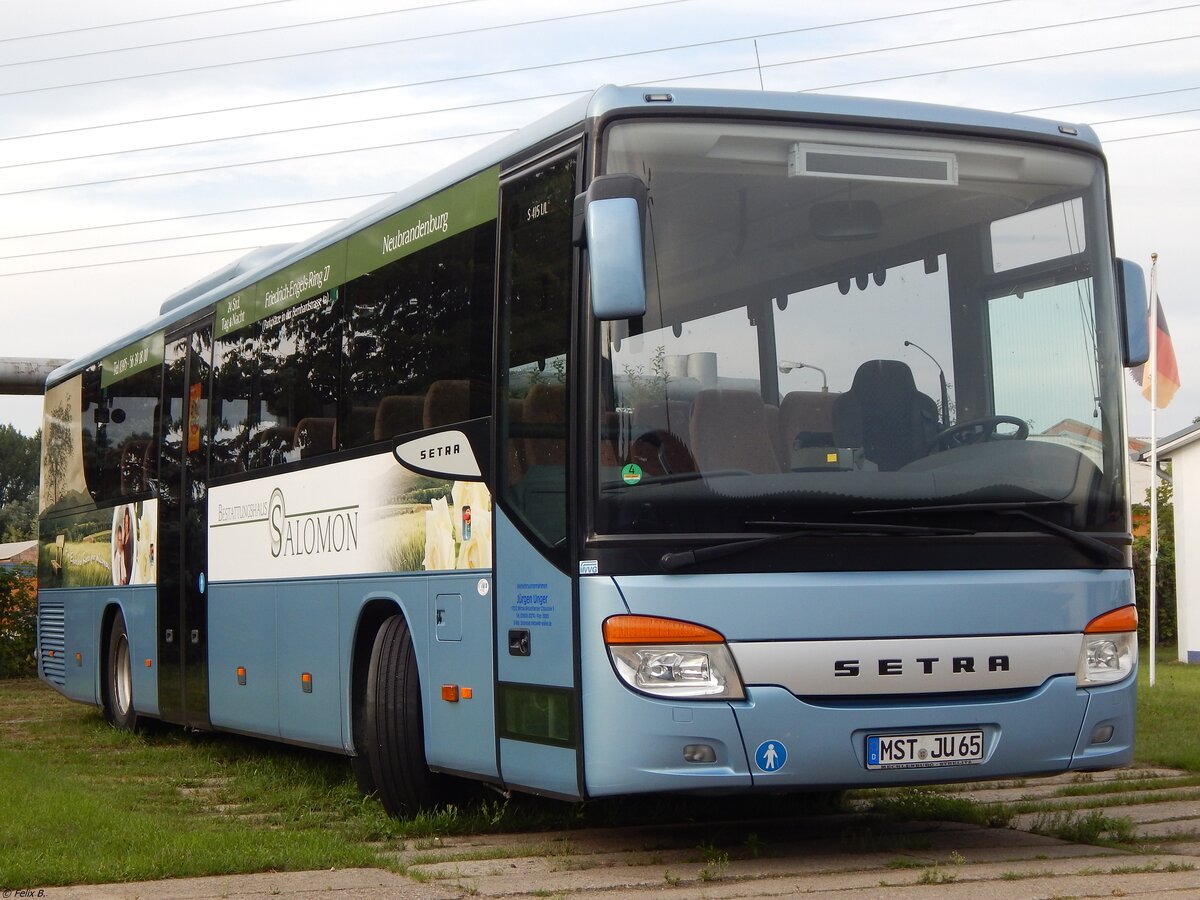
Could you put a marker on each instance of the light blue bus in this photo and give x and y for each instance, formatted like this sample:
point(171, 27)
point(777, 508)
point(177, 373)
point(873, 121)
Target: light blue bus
point(682, 441)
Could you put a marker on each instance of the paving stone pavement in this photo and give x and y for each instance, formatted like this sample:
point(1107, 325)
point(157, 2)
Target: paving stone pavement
point(848, 855)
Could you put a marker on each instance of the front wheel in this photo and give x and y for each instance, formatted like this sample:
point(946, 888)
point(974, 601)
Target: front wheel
point(393, 727)
point(118, 693)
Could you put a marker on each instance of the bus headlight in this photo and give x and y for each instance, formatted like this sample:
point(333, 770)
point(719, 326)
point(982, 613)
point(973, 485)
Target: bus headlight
point(1110, 650)
point(669, 658)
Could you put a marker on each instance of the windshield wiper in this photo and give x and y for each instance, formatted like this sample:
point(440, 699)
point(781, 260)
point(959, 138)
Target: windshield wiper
point(670, 562)
point(1093, 547)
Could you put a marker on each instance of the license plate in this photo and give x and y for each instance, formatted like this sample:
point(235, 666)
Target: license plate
point(911, 751)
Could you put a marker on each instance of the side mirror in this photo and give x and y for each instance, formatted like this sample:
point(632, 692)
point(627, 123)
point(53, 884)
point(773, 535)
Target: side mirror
point(608, 221)
point(1135, 332)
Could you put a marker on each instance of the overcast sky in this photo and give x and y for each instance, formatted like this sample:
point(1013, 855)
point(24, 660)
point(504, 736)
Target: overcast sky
point(153, 143)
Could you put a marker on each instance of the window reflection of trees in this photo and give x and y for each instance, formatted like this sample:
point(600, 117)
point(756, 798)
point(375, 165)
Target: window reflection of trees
point(268, 378)
point(289, 387)
point(422, 319)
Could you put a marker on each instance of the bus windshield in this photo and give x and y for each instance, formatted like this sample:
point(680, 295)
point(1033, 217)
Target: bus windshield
point(842, 322)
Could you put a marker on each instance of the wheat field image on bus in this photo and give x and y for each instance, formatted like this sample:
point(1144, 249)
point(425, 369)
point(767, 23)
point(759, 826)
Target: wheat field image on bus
point(430, 524)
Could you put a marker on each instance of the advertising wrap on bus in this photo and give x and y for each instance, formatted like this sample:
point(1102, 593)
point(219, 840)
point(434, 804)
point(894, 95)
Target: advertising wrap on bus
point(356, 517)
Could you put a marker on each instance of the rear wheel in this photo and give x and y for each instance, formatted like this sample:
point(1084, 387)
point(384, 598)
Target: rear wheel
point(118, 694)
point(393, 728)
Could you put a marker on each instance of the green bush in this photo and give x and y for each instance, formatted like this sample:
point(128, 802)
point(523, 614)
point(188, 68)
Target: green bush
point(18, 622)
point(1164, 573)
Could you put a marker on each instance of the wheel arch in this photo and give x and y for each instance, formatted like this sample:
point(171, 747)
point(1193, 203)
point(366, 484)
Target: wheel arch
point(108, 616)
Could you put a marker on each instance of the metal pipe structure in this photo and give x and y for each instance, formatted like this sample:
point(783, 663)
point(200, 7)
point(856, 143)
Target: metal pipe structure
point(26, 375)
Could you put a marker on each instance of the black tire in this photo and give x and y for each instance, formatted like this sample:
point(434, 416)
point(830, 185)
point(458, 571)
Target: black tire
point(118, 681)
point(393, 728)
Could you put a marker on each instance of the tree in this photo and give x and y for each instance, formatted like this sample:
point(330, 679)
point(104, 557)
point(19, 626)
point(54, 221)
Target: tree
point(18, 464)
point(19, 457)
point(18, 520)
point(18, 622)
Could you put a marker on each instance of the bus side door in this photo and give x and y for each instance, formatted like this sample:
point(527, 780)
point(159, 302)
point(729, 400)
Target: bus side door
point(183, 528)
point(537, 708)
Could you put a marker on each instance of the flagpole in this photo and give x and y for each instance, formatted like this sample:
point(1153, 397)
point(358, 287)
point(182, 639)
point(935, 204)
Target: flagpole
point(1153, 374)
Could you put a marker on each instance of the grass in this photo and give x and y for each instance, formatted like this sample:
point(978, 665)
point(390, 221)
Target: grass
point(930, 804)
point(87, 804)
point(1166, 723)
point(1091, 827)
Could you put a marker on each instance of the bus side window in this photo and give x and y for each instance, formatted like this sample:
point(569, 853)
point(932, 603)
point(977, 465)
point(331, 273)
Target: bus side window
point(234, 386)
point(118, 429)
point(419, 342)
point(276, 389)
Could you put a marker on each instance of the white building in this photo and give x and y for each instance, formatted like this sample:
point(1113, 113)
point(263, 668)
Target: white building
point(1183, 449)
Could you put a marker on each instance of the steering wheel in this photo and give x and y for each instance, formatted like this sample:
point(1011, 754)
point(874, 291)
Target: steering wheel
point(978, 431)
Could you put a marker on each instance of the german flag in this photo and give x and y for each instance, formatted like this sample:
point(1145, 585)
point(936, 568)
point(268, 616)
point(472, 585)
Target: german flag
point(1167, 375)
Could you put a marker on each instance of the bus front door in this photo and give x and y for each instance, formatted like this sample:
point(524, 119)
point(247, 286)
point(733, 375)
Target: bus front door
point(183, 528)
point(538, 698)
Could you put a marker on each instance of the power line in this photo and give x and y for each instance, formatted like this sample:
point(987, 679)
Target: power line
point(360, 91)
point(389, 12)
point(654, 51)
point(256, 162)
point(123, 262)
point(279, 131)
point(1174, 112)
point(1010, 62)
point(203, 12)
point(367, 46)
point(21, 137)
point(226, 212)
point(1037, 109)
point(482, 134)
point(182, 237)
point(1142, 137)
point(923, 44)
point(500, 72)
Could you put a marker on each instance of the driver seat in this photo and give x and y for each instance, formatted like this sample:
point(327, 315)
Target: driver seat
point(885, 415)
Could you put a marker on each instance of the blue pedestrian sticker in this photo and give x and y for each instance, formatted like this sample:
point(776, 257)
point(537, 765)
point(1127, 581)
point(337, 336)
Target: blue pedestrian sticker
point(770, 756)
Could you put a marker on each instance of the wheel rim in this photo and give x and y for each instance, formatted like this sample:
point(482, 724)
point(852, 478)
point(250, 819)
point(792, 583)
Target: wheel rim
point(123, 677)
